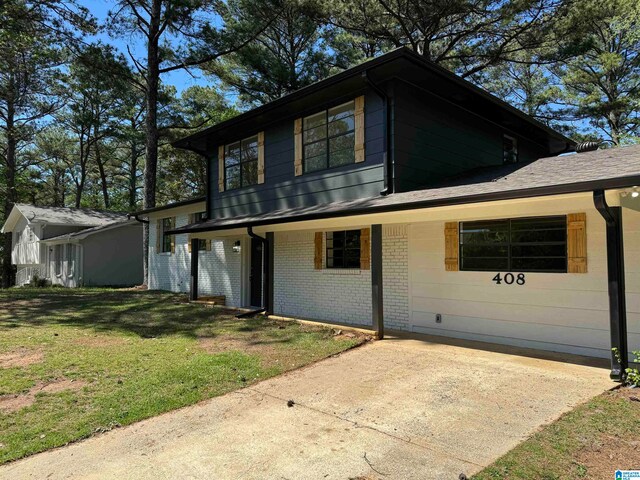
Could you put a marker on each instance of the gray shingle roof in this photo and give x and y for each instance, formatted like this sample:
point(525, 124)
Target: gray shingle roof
point(601, 169)
point(93, 230)
point(83, 217)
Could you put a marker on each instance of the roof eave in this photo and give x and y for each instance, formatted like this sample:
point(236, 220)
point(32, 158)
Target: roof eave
point(579, 187)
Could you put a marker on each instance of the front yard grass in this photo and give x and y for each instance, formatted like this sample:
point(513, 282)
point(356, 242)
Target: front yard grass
point(590, 442)
point(77, 362)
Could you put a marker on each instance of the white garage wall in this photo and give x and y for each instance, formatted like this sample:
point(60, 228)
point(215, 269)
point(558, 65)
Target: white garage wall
point(559, 312)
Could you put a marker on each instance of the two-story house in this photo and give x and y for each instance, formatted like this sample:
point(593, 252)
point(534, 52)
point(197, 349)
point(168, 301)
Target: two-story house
point(74, 247)
point(397, 195)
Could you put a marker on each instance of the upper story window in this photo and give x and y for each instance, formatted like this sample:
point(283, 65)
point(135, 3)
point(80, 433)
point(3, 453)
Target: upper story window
point(328, 138)
point(522, 244)
point(509, 149)
point(241, 163)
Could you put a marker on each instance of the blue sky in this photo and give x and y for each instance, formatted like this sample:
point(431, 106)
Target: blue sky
point(181, 79)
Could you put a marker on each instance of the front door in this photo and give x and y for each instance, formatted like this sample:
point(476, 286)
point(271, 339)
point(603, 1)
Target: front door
point(255, 276)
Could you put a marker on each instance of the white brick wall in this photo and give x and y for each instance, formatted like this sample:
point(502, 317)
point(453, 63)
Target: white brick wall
point(395, 276)
point(339, 295)
point(219, 271)
point(328, 294)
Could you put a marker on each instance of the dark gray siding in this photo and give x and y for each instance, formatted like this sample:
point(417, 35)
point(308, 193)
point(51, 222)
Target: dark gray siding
point(113, 257)
point(282, 189)
point(434, 139)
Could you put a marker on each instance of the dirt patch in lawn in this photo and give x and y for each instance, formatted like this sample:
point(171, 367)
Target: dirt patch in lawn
point(22, 357)
point(12, 403)
point(608, 453)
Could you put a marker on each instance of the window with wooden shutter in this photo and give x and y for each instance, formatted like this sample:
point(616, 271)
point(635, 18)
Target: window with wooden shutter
point(359, 129)
point(317, 253)
point(365, 249)
point(577, 243)
point(451, 246)
point(261, 157)
point(297, 132)
point(221, 168)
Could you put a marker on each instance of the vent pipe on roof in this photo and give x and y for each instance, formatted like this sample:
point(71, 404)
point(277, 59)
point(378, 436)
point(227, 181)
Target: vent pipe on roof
point(587, 146)
point(591, 145)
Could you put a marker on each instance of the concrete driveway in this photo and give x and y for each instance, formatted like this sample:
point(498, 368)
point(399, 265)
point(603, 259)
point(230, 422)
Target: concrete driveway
point(395, 409)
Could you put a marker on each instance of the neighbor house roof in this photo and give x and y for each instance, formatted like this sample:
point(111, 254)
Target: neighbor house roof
point(81, 217)
point(401, 63)
point(82, 234)
point(571, 173)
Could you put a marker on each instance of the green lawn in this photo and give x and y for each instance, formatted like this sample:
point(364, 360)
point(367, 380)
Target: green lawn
point(76, 362)
point(590, 442)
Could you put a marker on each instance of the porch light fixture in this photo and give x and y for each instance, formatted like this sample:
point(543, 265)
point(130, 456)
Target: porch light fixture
point(236, 246)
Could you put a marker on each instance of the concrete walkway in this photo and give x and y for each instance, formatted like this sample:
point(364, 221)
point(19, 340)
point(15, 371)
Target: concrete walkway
point(396, 409)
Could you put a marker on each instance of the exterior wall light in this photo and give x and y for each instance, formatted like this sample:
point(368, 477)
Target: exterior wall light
point(634, 193)
point(236, 246)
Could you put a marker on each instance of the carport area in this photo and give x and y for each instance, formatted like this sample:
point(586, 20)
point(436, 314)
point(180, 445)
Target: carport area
point(395, 409)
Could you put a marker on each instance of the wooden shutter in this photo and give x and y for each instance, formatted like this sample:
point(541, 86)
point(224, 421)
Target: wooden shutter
point(261, 157)
point(208, 245)
point(359, 128)
point(577, 243)
point(173, 237)
point(189, 244)
point(297, 134)
point(317, 254)
point(221, 168)
point(365, 249)
point(451, 246)
point(158, 235)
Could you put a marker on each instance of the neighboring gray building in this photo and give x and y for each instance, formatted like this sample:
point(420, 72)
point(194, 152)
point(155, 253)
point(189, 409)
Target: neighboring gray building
point(75, 247)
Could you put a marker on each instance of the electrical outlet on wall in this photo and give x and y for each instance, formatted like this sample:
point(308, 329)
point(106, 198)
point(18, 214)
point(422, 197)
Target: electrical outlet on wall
point(438, 318)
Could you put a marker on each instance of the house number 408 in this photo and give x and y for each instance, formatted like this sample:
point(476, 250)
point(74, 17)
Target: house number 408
point(509, 279)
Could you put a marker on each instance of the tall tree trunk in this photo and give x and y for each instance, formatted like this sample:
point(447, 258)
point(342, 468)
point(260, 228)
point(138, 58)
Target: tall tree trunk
point(151, 122)
point(8, 276)
point(133, 177)
point(103, 176)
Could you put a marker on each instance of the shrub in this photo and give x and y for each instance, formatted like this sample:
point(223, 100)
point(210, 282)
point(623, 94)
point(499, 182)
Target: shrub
point(38, 282)
point(633, 374)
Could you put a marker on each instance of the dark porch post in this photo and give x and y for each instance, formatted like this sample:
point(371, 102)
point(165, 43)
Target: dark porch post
point(193, 292)
point(268, 260)
point(615, 271)
point(376, 281)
